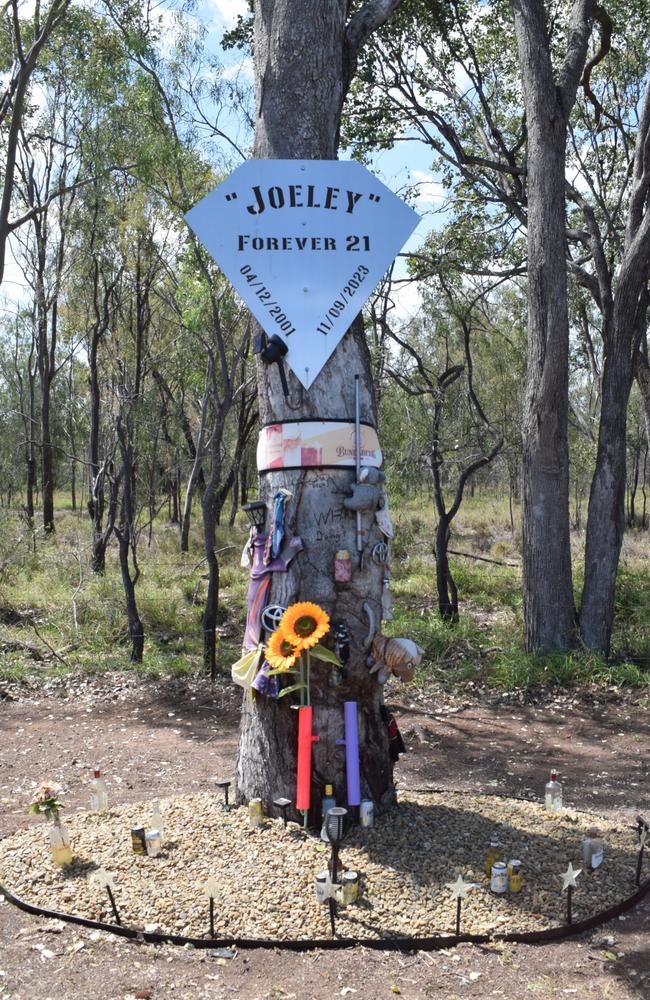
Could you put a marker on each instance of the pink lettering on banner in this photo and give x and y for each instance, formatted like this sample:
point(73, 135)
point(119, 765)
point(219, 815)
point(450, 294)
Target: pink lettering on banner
point(311, 456)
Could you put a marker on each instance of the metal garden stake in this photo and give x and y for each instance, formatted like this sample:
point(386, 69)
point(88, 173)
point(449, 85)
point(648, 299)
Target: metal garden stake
point(568, 882)
point(335, 826)
point(224, 786)
point(211, 888)
point(459, 890)
point(357, 449)
point(282, 804)
point(105, 879)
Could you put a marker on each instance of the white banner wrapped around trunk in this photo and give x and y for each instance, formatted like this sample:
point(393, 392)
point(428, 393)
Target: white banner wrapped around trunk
point(315, 443)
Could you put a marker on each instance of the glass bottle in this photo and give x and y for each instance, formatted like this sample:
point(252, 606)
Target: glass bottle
point(98, 793)
point(60, 843)
point(494, 854)
point(553, 793)
point(593, 849)
point(156, 819)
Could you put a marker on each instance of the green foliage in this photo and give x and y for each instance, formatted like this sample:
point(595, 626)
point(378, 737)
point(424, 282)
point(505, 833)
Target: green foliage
point(483, 648)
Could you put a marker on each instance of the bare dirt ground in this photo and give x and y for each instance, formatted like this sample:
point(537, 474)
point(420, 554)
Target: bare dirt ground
point(154, 738)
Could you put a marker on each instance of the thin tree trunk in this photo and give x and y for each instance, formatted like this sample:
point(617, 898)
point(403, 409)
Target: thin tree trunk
point(47, 455)
point(127, 540)
point(72, 437)
point(447, 595)
point(212, 596)
point(199, 454)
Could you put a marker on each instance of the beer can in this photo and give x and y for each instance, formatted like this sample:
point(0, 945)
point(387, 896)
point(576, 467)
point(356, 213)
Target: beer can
point(138, 841)
point(320, 885)
point(153, 842)
point(350, 887)
point(367, 813)
point(514, 875)
point(255, 814)
point(499, 878)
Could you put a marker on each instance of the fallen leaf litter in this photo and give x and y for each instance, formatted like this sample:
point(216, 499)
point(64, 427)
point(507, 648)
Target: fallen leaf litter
point(266, 875)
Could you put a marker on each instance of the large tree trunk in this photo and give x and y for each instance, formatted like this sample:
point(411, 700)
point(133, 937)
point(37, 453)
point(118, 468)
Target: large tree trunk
point(606, 522)
point(606, 517)
point(301, 59)
point(642, 375)
point(549, 609)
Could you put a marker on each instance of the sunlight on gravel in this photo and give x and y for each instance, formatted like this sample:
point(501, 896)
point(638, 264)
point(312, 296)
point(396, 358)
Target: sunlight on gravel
point(266, 876)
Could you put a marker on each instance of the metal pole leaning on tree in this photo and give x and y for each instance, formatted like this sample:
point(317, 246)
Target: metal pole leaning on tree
point(357, 451)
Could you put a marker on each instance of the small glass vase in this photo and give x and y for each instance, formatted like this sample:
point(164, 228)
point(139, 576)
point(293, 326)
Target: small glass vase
point(60, 843)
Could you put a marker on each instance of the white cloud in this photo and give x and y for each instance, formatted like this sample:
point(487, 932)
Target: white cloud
point(243, 68)
point(407, 301)
point(430, 191)
point(227, 11)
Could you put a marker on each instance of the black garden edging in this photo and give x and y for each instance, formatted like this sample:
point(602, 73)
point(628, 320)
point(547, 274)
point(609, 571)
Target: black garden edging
point(385, 944)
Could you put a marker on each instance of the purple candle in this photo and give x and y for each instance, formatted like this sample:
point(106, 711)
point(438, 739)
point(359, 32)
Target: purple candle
point(351, 743)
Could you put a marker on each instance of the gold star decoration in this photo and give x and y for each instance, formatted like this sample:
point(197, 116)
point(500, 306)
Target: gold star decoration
point(460, 888)
point(569, 877)
point(102, 878)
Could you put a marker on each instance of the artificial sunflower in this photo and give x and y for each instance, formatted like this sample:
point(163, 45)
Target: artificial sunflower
point(303, 624)
point(279, 652)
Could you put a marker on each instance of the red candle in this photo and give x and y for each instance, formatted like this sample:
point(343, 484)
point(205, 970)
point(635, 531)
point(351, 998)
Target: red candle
point(305, 740)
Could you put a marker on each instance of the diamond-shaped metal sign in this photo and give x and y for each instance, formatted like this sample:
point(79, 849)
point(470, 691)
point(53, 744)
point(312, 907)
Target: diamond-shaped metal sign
point(304, 242)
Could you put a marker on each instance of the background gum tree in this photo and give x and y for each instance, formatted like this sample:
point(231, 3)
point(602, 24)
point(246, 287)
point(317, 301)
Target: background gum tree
point(305, 56)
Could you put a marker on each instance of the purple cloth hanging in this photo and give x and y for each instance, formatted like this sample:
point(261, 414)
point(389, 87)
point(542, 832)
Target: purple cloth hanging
point(269, 686)
point(260, 584)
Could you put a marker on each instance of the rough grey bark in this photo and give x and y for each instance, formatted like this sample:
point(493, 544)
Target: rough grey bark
point(304, 57)
point(606, 517)
point(549, 610)
point(27, 400)
point(642, 375)
point(103, 304)
point(127, 542)
point(624, 299)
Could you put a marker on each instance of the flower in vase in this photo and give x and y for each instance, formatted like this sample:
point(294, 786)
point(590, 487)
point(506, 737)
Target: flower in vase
point(46, 799)
point(279, 652)
point(304, 624)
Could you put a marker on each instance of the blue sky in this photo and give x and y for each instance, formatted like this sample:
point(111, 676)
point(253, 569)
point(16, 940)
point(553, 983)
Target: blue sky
point(403, 167)
point(406, 165)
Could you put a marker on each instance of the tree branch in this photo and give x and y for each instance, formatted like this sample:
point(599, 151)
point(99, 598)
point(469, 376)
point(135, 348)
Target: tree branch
point(577, 42)
point(360, 27)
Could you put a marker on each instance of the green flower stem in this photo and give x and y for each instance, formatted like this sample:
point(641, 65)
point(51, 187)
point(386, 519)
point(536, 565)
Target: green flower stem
point(308, 677)
point(302, 682)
